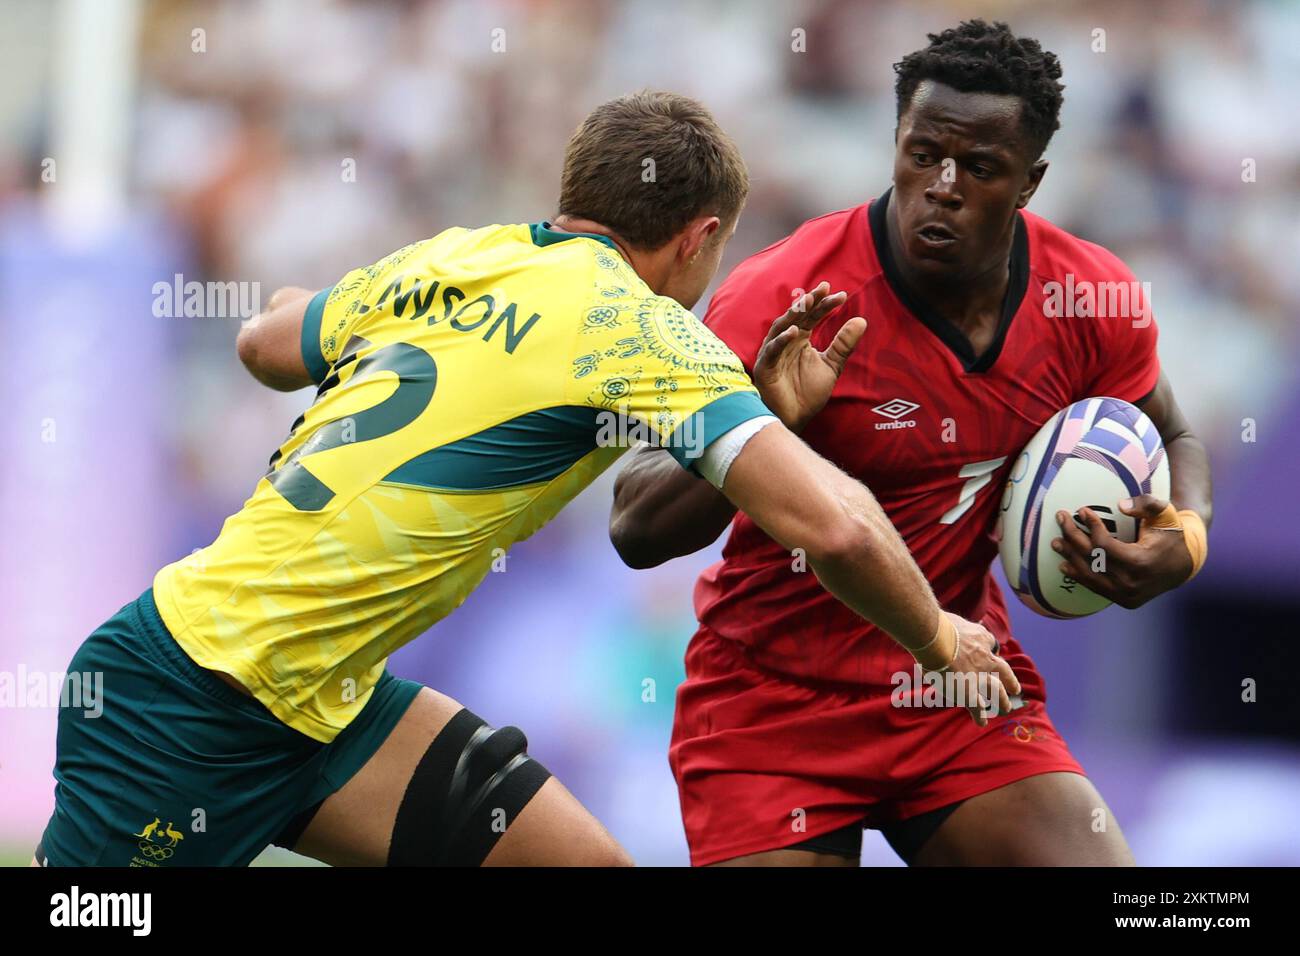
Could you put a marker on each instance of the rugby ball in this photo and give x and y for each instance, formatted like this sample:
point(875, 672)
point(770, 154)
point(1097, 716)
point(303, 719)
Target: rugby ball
point(1093, 454)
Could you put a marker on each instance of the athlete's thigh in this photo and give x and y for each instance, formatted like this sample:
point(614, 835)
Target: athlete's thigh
point(788, 858)
point(554, 829)
point(1049, 819)
point(839, 847)
point(354, 826)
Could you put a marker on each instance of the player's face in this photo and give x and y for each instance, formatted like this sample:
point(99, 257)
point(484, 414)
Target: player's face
point(961, 170)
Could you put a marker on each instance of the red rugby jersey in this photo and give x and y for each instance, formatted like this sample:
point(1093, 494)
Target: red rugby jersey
point(931, 429)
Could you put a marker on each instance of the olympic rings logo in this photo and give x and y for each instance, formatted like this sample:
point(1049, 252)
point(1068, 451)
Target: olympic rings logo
point(1025, 733)
point(155, 852)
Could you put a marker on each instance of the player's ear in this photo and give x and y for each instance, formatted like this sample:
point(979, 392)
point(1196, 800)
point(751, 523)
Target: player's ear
point(1032, 180)
point(697, 234)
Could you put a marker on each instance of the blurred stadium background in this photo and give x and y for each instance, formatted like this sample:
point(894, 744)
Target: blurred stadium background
point(135, 148)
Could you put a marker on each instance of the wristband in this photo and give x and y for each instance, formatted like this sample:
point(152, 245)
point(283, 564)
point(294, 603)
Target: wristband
point(1192, 527)
point(956, 649)
point(946, 626)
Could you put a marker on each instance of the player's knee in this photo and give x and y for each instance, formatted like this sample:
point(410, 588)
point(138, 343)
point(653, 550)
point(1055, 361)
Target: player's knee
point(596, 847)
point(586, 845)
point(1109, 849)
point(611, 854)
point(1072, 826)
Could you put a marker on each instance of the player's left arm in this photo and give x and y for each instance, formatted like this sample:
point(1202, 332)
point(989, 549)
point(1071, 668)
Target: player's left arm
point(270, 343)
point(1189, 463)
point(1171, 543)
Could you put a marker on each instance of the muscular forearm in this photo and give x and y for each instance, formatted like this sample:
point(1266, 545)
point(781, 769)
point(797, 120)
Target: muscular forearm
point(661, 512)
point(1189, 465)
point(1189, 476)
point(877, 576)
point(804, 502)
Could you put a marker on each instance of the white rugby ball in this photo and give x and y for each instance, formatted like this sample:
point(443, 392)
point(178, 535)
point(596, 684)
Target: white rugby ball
point(1093, 454)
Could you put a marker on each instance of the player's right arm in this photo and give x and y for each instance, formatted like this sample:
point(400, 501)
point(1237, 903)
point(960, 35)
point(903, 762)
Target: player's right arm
point(298, 337)
point(270, 343)
point(809, 506)
point(661, 512)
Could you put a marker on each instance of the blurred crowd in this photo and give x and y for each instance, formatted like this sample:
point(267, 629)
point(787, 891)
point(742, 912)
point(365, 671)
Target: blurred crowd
point(285, 142)
point(292, 141)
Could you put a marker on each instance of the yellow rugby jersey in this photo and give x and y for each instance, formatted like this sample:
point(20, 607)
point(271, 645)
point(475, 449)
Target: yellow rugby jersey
point(470, 385)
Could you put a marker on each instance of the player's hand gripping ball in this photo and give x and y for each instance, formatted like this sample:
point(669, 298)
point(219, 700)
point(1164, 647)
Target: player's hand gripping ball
point(1087, 461)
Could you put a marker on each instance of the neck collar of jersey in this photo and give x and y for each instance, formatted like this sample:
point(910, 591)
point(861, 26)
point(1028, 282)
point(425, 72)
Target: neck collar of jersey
point(951, 336)
point(544, 234)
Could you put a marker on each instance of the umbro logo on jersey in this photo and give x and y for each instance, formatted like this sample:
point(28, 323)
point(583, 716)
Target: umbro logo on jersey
point(895, 409)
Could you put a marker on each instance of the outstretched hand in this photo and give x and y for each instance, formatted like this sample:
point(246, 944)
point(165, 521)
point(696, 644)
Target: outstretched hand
point(793, 378)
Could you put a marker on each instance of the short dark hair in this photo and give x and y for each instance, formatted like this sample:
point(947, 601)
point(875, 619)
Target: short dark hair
point(697, 168)
point(978, 57)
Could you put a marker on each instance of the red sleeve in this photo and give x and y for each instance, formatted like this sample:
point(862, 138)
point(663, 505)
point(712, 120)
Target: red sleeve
point(1124, 363)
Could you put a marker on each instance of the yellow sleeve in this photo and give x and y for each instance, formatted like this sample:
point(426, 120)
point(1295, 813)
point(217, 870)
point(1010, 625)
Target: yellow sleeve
point(659, 375)
point(333, 312)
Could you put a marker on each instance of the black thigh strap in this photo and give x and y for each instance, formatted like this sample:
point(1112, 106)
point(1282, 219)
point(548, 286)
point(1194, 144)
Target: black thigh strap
point(467, 789)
